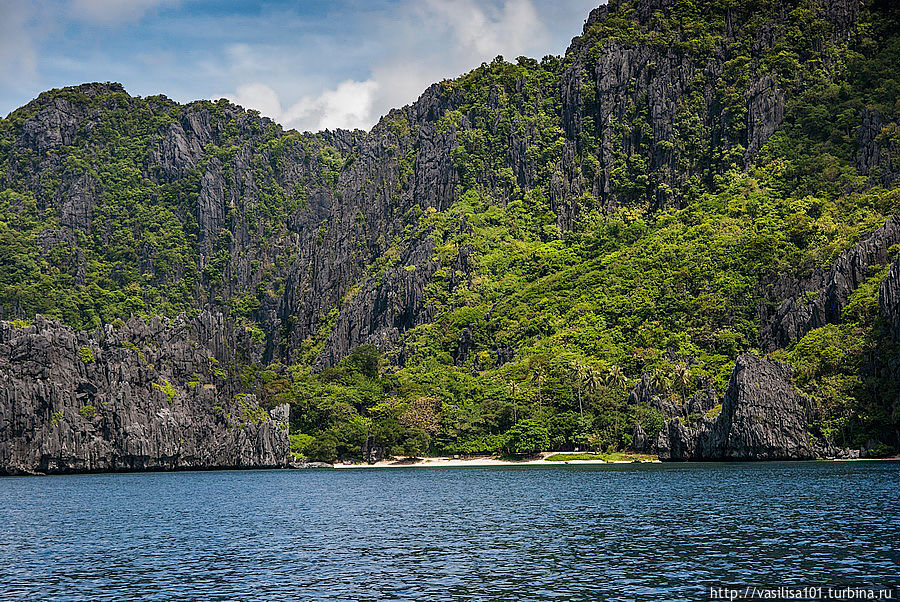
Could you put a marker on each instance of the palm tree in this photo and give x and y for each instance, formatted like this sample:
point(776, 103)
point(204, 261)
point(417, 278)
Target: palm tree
point(578, 374)
point(593, 379)
point(538, 376)
point(682, 379)
point(659, 382)
point(616, 380)
point(514, 393)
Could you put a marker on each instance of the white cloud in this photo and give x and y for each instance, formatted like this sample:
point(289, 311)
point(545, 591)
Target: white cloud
point(420, 42)
point(342, 65)
point(260, 97)
point(484, 29)
point(348, 106)
point(18, 60)
point(115, 11)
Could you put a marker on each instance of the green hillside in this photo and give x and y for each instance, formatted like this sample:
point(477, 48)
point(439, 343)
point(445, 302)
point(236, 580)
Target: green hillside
point(572, 258)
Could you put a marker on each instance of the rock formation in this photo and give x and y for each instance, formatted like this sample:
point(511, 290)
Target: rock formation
point(762, 418)
point(354, 193)
point(798, 305)
point(300, 236)
point(889, 299)
point(155, 395)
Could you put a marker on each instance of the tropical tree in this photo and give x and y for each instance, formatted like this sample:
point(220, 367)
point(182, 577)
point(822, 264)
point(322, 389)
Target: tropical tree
point(527, 436)
point(659, 382)
point(682, 380)
point(579, 373)
point(616, 380)
point(514, 394)
point(538, 368)
point(593, 379)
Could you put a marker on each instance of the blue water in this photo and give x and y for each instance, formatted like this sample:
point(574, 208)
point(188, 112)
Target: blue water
point(567, 532)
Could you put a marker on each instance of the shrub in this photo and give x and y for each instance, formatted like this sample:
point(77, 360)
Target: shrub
point(88, 411)
point(299, 443)
point(251, 412)
point(167, 388)
point(86, 355)
point(527, 436)
point(321, 450)
point(880, 451)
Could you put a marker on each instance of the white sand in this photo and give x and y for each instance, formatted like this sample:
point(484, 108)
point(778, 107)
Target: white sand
point(445, 462)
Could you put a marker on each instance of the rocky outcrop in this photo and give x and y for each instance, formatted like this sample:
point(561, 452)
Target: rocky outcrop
point(762, 418)
point(350, 196)
point(615, 75)
point(324, 238)
point(155, 395)
point(889, 300)
point(794, 306)
point(877, 149)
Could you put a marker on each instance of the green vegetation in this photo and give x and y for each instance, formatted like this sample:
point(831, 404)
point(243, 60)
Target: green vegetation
point(627, 290)
point(87, 411)
point(612, 457)
point(250, 411)
point(167, 389)
point(86, 355)
point(562, 274)
point(834, 367)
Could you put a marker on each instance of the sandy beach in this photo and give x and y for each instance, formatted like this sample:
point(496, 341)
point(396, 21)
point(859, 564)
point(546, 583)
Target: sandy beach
point(444, 462)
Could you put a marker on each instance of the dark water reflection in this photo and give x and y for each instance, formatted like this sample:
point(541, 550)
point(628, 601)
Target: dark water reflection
point(567, 532)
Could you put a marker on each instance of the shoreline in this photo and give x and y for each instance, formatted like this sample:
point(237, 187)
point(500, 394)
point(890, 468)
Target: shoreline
point(449, 462)
point(480, 461)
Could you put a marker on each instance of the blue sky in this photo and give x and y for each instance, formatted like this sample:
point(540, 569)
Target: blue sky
point(309, 64)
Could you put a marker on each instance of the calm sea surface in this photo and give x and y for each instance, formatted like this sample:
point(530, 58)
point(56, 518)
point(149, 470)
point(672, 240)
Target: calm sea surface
point(568, 532)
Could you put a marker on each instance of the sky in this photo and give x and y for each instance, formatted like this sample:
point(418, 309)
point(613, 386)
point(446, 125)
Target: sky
point(307, 64)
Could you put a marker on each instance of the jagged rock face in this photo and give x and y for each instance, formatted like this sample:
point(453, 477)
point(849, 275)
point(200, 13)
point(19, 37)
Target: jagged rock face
point(877, 152)
point(144, 396)
point(644, 393)
point(889, 299)
point(325, 254)
point(700, 402)
point(796, 306)
point(762, 418)
point(608, 86)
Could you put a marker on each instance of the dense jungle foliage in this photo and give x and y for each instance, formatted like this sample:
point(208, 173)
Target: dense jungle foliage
point(537, 344)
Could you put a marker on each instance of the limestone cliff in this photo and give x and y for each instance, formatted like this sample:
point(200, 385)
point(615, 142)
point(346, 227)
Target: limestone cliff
point(762, 418)
point(797, 305)
point(155, 395)
point(348, 198)
point(300, 247)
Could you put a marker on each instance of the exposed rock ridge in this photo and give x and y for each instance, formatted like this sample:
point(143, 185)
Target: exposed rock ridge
point(158, 395)
point(654, 74)
point(877, 149)
point(798, 305)
point(329, 247)
point(762, 418)
point(889, 299)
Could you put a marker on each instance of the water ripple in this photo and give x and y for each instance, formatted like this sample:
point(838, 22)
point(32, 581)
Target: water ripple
point(536, 533)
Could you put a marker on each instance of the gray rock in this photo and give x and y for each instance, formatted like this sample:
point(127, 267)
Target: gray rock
point(639, 440)
point(329, 252)
point(889, 299)
point(796, 306)
point(876, 153)
point(762, 418)
point(304, 465)
point(155, 395)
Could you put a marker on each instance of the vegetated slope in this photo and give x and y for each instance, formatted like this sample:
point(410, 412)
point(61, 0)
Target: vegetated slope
point(511, 253)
